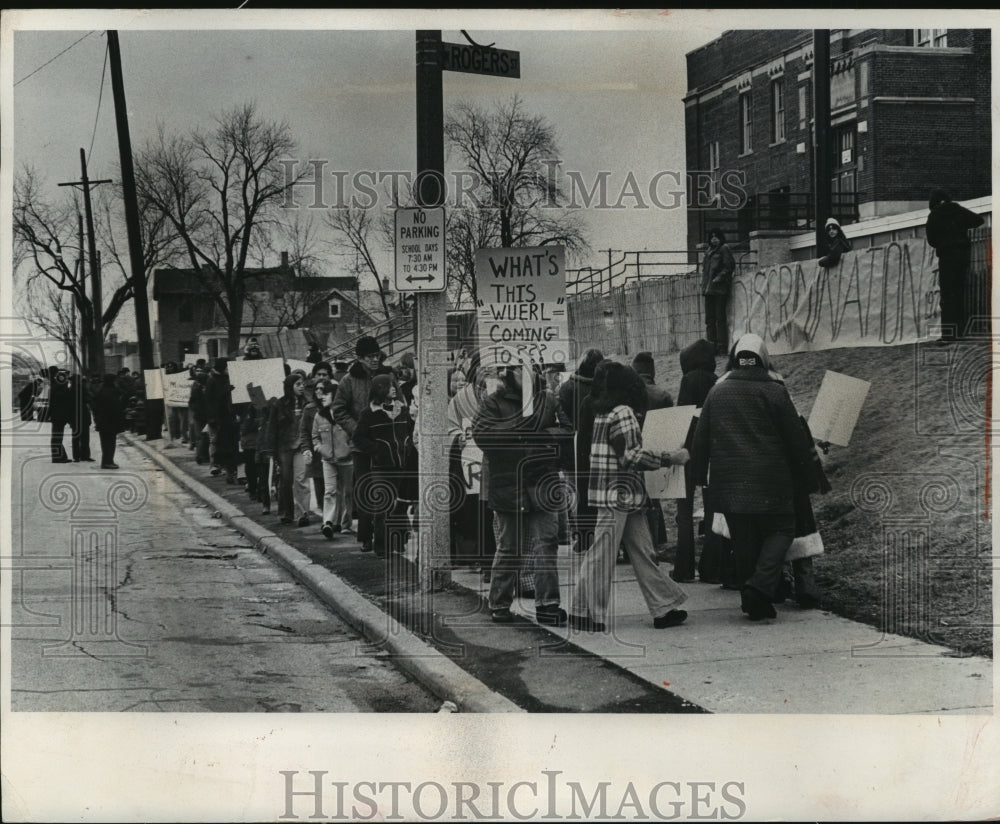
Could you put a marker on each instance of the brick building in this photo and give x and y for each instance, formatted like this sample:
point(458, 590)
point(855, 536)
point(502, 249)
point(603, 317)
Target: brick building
point(329, 307)
point(909, 110)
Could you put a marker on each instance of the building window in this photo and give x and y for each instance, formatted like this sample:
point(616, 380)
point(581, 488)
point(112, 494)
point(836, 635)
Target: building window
point(746, 124)
point(714, 165)
point(777, 111)
point(334, 308)
point(185, 312)
point(932, 38)
point(803, 113)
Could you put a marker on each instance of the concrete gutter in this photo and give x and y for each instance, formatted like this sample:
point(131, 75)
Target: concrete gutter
point(432, 668)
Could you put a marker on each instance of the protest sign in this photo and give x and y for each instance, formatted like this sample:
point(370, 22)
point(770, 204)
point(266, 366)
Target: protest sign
point(665, 431)
point(176, 389)
point(269, 374)
point(837, 407)
point(154, 384)
point(472, 460)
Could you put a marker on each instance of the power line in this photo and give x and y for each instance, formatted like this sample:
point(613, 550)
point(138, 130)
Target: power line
point(54, 58)
point(100, 94)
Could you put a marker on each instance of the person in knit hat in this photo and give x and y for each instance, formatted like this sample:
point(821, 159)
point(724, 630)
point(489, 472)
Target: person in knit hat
point(348, 404)
point(659, 398)
point(836, 244)
point(750, 440)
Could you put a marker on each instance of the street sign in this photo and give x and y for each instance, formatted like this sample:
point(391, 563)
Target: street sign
point(420, 250)
point(463, 57)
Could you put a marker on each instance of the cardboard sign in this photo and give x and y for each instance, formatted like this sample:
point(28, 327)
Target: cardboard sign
point(665, 430)
point(837, 407)
point(269, 374)
point(472, 460)
point(177, 389)
point(153, 379)
point(522, 306)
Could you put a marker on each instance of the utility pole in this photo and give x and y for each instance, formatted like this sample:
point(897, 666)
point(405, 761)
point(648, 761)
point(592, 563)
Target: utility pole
point(140, 296)
point(431, 315)
point(96, 342)
point(821, 125)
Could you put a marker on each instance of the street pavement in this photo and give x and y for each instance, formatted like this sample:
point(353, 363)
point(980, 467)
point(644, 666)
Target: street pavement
point(805, 661)
point(128, 595)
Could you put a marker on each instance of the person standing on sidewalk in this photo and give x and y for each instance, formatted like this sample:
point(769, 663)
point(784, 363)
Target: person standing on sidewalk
point(60, 412)
point(716, 279)
point(109, 417)
point(223, 435)
point(82, 420)
point(749, 439)
point(657, 397)
point(617, 490)
point(521, 454)
point(385, 434)
point(698, 368)
point(198, 409)
point(284, 442)
point(947, 230)
point(332, 448)
point(348, 404)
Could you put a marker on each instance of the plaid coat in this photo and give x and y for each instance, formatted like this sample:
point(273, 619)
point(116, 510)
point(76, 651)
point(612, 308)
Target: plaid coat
point(617, 460)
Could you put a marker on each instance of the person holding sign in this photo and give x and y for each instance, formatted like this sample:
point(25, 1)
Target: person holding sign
point(749, 439)
point(618, 491)
point(521, 456)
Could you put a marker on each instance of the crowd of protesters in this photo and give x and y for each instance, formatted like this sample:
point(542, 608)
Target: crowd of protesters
point(561, 463)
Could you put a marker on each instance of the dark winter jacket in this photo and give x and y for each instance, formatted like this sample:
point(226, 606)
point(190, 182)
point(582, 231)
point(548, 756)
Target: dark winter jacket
point(717, 270)
point(352, 397)
point(948, 227)
point(109, 409)
point(61, 400)
point(698, 368)
point(835, 246)
point(386, 440)
point(198, 402)
point(218, 399)
point(520, 452)
point(315, 468)
point(572, 394)
point(749, 442)
point(284, 433)
point(659, 398)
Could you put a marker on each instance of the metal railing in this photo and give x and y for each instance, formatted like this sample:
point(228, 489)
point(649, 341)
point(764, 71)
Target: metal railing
point(395, 336)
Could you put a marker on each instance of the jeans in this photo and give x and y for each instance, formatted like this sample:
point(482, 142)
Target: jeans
point(337, 502)
point(222, 443)
point(177, 422)
point(596, 573)
point(716, 322)
point(293, 492)
point(953, 269)
point(759, 544)
point(520, 535)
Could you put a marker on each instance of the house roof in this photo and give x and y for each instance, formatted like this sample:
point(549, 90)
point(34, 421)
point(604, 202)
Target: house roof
point(169, 281)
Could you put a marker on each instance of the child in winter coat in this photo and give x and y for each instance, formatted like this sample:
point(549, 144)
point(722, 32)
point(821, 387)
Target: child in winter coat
point(385, 434)
point(332, 448)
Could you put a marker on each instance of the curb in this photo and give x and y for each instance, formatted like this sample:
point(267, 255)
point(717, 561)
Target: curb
point(432, 668)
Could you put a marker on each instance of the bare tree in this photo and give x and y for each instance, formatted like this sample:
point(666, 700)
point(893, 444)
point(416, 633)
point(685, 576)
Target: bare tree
point(220, 191)
point(357, 229)
point(515, 198)
point(53, 311)
point(48, 250)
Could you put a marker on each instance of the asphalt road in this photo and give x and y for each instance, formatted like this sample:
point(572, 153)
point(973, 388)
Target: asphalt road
point(128, 595)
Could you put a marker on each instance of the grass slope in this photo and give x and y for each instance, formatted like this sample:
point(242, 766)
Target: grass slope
point(906, 527)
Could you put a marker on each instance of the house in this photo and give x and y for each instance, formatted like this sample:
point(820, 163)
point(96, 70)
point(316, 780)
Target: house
point(189, 320)
point(909, 110)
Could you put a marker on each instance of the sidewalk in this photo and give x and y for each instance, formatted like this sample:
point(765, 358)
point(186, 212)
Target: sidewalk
point(805, 661)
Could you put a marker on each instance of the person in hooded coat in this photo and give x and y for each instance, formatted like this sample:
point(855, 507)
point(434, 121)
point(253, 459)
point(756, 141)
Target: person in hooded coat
point(836, 244)
point(109, 418)
point(947, 231)
point(348, 404)
point(749, 438)
point(223, 432)
point(698, 368)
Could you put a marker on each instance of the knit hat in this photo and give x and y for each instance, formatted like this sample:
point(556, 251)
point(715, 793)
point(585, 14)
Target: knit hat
point(751, 351)
point(367, 346)
point(643, 364)
point(407, 361)
point(938, 196)
point(832, 221)
point(221, 364)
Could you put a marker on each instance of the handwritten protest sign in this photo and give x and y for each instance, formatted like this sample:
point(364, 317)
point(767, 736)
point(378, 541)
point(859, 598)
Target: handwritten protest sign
point(522, 306)
point(269, 374)
point(665, 431)
point(177, 389)
point(472, 460)
point(837, 407)
point(153, 379)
